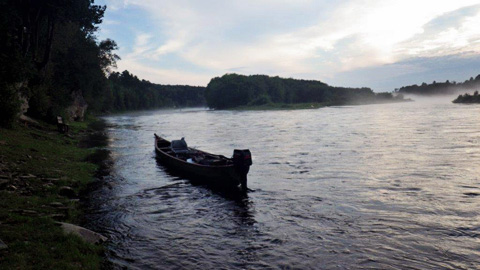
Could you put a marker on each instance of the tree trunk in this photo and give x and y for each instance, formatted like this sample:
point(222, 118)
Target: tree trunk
point(48, 45)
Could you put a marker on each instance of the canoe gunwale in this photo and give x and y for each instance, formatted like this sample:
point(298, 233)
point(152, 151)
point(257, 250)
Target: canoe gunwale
point(159, 150)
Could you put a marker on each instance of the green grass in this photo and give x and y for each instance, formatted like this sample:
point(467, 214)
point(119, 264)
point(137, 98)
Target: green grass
point(48, 160)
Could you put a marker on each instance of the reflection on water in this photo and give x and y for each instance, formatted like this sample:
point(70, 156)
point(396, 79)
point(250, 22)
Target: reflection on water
point(367, 187)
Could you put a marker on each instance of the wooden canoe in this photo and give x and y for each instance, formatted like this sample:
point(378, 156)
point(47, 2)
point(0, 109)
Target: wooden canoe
point(204, 167)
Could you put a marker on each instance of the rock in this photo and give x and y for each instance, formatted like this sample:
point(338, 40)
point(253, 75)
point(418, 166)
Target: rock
point(24, 212)
point(23, 100)
point(27, 176)
point(67, 192)
point(48, 185)
point(56, 204)
point(28, 120)
point(76, 111)
point(51, 179)
point(57, 216)
point(29, 213)
point(3, 245)
point(26, 192)
point(3, 183)
point(86, 234)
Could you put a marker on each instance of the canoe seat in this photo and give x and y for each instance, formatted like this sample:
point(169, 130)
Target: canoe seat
point(179, 146)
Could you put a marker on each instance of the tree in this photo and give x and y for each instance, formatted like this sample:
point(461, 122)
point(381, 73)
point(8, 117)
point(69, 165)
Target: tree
point(36, 26)
point(233, 90)
point(131, 93)
point(108, 59)
point(49, 48)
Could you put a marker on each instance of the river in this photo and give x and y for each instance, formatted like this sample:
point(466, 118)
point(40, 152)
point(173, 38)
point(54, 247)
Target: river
point(390, 186)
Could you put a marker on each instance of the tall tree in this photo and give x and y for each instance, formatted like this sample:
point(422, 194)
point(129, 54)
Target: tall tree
point(49, 49)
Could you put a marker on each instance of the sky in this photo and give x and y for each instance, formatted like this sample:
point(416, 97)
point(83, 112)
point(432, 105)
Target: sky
point(381, 44)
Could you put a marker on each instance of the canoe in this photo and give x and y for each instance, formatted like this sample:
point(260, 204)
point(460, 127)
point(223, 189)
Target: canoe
point(204, 167)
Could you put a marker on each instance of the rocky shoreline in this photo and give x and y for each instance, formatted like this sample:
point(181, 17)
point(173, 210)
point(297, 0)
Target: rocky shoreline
point(44, 176)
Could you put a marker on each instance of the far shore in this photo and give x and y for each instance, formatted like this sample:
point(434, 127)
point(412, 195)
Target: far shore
point(307, 106)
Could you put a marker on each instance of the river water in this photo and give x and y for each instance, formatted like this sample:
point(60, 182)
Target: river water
point(393, 186)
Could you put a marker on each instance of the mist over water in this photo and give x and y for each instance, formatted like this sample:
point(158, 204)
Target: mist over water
point(436, 99)
point(392, 186)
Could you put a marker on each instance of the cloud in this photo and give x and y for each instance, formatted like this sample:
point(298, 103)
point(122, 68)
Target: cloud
point(304, 38)
point(169, 47)
point(415, 70)
point(449, 33)
point(164, 76)
point(114, 4)
point(141, 46)
point(110, 22)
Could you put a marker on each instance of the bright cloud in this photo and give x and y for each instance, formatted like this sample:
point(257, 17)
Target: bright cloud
point(184, 41)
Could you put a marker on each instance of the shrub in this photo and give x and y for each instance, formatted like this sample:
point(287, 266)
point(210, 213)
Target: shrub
point(9, 105)
point(261, 100)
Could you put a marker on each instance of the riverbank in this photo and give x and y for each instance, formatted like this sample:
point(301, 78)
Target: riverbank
point(281, 106)
point(43, 175)
point(309, 105)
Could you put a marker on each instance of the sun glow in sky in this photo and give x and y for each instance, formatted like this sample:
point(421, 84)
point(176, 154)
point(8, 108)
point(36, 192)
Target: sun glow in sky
point(382, 44)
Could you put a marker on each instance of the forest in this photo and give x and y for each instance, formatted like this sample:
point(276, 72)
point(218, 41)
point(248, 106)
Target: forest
point(233, 90)
point(127, 92)
point(51, 63)
point(467, 98)
point(439, 88)
point(50, 56)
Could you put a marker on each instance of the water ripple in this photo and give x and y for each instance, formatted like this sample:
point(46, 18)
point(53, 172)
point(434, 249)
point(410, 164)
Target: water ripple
point(366, 187)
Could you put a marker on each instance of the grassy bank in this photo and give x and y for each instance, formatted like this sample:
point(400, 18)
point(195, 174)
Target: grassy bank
point(42, 174)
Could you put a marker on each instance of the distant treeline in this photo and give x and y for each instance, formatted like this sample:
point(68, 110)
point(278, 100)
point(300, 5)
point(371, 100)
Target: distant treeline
point(439, 88)
point(467, 98)
point(51, 63)
point(233, 90)
point(127, 92)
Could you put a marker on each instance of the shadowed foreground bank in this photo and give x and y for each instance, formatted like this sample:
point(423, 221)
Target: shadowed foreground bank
point(43, 176)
